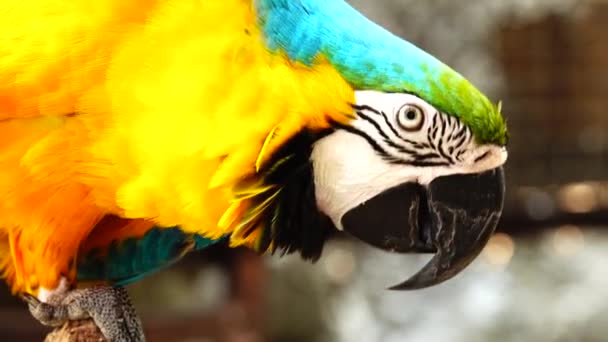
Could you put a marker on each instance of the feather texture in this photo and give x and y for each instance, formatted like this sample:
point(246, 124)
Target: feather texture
point(127, 260)
point(121, 117)
point(144, 110)
point(371, 58)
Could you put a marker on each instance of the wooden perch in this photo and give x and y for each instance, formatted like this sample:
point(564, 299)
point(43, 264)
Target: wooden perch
point(76, 331)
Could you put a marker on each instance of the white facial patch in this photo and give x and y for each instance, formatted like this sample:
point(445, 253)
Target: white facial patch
point(349, 170)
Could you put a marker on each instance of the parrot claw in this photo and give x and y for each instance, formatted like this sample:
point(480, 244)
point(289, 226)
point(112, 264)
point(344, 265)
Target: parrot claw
point(109, 307)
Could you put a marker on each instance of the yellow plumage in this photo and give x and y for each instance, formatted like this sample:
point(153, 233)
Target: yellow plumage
point(141, 109)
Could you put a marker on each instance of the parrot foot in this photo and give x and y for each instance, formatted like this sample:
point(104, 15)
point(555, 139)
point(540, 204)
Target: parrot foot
point(109, 307)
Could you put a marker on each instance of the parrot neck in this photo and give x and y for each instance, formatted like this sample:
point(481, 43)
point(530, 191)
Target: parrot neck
point(284, 216)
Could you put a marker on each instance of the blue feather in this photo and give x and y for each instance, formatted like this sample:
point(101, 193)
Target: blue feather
point(132, 259)
point(367, 55)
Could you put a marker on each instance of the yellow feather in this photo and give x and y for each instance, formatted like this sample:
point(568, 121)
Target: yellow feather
point(230, 217)
point(263, 156)
point(142, 109)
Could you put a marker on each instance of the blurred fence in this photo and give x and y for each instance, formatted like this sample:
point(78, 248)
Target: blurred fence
point(556, 75)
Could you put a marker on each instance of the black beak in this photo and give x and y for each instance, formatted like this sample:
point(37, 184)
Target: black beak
point(453, 217)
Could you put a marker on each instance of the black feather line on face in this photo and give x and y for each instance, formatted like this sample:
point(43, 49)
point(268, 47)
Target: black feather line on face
point(291, 222)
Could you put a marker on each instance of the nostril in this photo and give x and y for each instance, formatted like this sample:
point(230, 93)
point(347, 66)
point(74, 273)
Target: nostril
point(482, 157)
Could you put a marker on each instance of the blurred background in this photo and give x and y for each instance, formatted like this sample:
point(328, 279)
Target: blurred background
point(543, 277)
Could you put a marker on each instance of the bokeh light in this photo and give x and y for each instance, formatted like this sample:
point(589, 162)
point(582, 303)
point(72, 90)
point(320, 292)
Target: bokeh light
point(578, 198)
point(499, 251)
point(568, 240)
point(339, 264)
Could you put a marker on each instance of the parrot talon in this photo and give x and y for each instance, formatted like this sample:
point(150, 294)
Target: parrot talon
point(45, 313)
point(109, 307)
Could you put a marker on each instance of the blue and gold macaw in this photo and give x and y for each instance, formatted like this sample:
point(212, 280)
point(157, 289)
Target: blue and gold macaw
point(133, 132)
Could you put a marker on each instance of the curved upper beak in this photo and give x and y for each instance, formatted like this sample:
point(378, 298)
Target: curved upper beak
point(453, 217)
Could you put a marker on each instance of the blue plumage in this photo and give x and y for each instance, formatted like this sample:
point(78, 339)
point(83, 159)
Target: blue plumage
point(132, 259)
point(367, 55)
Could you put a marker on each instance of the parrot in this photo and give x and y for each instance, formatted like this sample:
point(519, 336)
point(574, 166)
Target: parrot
point(134, 132)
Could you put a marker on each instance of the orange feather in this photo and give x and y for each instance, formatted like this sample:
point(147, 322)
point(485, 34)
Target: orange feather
point(147, 111)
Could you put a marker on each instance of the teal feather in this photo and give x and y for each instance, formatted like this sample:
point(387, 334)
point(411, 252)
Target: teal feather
point(129, 260)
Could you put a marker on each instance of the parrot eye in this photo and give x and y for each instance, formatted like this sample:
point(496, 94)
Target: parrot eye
point(410, 118)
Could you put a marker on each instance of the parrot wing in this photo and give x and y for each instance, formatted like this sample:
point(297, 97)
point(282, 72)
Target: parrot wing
point(129, 260)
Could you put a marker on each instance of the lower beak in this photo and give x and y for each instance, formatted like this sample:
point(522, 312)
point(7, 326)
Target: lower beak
point(453, 217)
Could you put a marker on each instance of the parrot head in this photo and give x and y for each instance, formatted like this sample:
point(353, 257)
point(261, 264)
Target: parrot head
point(416, 168)
point(406, 177)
